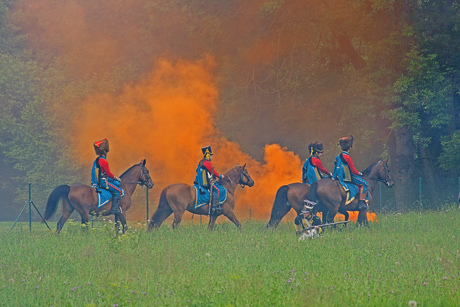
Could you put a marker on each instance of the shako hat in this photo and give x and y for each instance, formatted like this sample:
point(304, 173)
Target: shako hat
point(309, 205)
point(207, 152)
point(346, 142)
point(101, 147)
point(315, 147)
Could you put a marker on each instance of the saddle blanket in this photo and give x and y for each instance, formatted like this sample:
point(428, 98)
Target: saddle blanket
point(105, 196)
point(351, 190)
point(202, 195)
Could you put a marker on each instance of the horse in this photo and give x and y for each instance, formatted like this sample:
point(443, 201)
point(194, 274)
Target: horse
point(180, 197)
point(331, 197)
point(289, 197)
point(84, 199)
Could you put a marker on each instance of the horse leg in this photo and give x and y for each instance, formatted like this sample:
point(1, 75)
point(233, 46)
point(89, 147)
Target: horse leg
point(330, 216)
point(345, 213)
point(231, 216)
point(116, 224)
point(324, 216)
point(84, 218)
point(362, 218)
point(120, 219)
point(212, 221)
point(177, 217)
point(67, 210)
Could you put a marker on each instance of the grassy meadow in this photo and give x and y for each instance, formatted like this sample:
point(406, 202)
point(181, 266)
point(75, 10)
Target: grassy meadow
point(400, 260)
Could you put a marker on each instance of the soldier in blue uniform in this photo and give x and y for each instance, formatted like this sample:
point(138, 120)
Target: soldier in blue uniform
point(103, 178)
point(313, 169)
point(345, 171)
point(206, 175)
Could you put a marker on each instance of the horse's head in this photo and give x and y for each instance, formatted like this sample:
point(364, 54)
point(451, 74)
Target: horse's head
point(245, 179)
point(384, 174)
point(144, 177)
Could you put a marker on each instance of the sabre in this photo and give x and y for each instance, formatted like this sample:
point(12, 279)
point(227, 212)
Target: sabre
point(211, 183)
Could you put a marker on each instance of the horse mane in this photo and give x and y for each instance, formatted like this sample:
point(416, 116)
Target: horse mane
point(231, 171)
point(129, 169)
point(367, 171)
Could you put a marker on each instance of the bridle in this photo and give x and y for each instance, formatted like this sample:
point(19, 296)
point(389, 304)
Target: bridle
point(386, 171)
point(146, 176)
point(240, 182)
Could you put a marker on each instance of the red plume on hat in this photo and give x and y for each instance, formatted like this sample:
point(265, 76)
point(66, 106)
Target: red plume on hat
point(101, 147)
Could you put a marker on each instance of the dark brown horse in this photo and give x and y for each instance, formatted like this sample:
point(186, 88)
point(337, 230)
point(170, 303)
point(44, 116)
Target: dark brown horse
point(331, 197)
point(180, 197)
point(84, 198)
point(289, 197)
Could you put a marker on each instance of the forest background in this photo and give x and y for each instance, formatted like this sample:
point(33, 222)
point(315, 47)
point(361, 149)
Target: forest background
point(257, 80)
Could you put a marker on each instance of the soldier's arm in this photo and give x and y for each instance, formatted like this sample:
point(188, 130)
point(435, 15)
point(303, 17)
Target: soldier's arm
point(105, 168)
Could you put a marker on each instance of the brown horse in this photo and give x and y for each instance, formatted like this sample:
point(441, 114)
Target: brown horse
point(179, 197)
point(331, 197)
point(84, 198)
point(289, 197)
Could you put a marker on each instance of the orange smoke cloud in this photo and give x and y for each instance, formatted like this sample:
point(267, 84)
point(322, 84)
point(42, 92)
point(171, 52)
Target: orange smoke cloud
point(167, 118)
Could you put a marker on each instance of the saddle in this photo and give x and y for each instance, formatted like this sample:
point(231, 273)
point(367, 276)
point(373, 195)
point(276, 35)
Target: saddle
point(104, 196)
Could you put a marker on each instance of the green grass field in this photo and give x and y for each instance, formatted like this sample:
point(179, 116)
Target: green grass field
point(397, 260)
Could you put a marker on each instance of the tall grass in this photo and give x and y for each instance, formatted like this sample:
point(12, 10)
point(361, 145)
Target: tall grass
point(399, 258)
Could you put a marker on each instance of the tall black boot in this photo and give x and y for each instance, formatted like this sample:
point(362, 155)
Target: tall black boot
point(215, 207)
point(362, 204)
point(116, 205)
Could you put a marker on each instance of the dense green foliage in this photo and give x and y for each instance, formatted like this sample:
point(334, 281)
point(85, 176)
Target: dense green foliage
point(398, 259)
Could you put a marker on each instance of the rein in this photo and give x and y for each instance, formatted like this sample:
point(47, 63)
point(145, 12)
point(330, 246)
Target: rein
point(239, 182)
point(134, 182)
point(229, 180)
point(137, 182)
point(378, 179)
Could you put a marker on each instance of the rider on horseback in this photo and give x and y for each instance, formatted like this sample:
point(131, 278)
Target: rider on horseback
point(346, 171)
point(103, 178)
point(306, 219)
point(313, 169)
point(205, 175)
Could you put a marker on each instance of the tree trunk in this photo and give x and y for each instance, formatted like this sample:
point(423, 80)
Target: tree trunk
point(428, 175)
point(401, 149)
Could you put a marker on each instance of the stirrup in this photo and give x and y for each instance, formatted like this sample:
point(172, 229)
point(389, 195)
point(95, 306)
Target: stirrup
point(216, 208)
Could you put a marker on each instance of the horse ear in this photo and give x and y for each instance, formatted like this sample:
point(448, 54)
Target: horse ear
point(143, 162)
point(244, 166)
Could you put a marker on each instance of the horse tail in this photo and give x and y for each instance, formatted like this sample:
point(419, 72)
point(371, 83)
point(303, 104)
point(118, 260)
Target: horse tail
point(280, 208)
point(51, 205)
point(162, 210)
